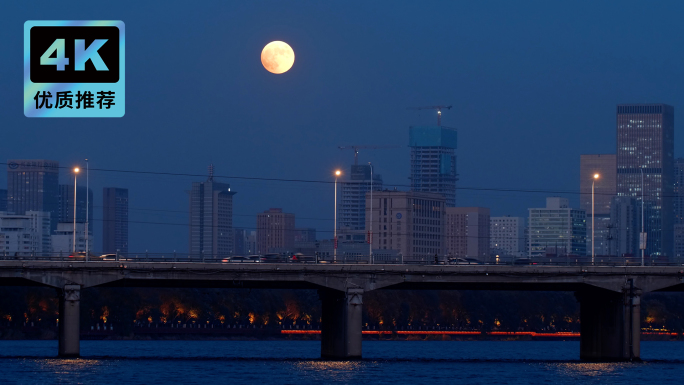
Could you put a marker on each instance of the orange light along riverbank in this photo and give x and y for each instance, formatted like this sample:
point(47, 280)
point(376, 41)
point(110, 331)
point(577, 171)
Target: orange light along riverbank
point(445, 332)
point(473, 333)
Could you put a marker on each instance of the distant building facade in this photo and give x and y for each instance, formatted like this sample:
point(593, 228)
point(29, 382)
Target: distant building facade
point(557, 229)
point(3, 200)
point(507, 235)
point(63, 239)
point(605, 165)
point(211, 218)
point(351, 214)
point(433, 161)
point(679, 209)
point(115, 220)
point(27, 234)
point(305, 235)
point(625, 216)
point(66, 205)
point(467, 232)
point(409, 222)
point(33, 185)
point(645, 144)
point(275, 230)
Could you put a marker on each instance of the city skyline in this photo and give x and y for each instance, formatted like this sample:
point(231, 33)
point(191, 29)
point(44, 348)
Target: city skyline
point(524, 115)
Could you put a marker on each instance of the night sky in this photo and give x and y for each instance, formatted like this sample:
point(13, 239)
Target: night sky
point(534, 84)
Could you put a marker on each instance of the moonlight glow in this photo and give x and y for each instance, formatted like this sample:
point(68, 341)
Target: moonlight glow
point(277, 57)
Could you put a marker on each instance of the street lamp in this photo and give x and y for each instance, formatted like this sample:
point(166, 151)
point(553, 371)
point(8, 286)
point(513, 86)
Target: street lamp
point(73, 246)
point(337, 174)
point(370, 226)
point(593, 227)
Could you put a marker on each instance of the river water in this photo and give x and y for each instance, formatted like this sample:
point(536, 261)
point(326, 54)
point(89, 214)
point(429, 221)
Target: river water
point(297, 362)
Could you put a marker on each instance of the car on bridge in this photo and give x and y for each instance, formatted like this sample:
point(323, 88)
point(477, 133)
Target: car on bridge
point(241, 259)
point(301, 258)
point(82, 256)
point(464, 261)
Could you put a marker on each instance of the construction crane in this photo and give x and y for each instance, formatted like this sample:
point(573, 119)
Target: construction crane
point(438, 108)
point(356, 150)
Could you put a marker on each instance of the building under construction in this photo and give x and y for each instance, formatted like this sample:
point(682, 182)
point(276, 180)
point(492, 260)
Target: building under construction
point(433, 161)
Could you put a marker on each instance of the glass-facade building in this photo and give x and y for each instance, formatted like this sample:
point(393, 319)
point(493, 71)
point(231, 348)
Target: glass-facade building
point(645, 154)
point(557, 230)
point(433, 161)
point(33, 185)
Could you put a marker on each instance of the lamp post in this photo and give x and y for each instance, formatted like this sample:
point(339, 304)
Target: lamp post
point(87, 249)
point(370, 227)
point(642, 235)
point(337, 174)
point(73, 248)
point(593, 227)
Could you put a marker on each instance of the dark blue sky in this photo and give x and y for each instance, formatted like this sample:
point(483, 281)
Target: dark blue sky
point(534, 84)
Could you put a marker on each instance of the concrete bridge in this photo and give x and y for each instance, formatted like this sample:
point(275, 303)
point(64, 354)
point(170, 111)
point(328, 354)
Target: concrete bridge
point(609, 296)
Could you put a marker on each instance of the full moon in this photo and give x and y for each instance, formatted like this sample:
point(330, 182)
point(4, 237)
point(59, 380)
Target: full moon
point(277, 57)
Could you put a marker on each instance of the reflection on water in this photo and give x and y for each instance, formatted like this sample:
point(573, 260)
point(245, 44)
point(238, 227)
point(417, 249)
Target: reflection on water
point(332, 371)
point(296, 362)
point(593, 369)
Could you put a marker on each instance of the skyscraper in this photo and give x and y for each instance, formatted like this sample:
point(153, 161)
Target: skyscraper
point(3, 200)
point(275, 230)
point(625, 217)
point(679, 209)
point(604, 190)
point(433, 161)
point(66, 205)
point(645, 152)
point(352, 209)
point(115, 220)
point(32, 185)
point(211, 218)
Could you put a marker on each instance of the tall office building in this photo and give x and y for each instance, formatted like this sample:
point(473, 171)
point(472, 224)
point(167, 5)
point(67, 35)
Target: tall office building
point(275, 230)
point(679, 209)
point(3, 200)
point(351, 210)
point(557, 230)
point(211, 218)
point(507, 236)
point(33, 185)
point(625, 217)
point(467, 232)
point(410, 222)
point(66, 205)
point(115, 220)
point(433, 161)
point(645, 151)
point(604, 190)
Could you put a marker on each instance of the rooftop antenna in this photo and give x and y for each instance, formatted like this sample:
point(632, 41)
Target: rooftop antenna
point(211, 171)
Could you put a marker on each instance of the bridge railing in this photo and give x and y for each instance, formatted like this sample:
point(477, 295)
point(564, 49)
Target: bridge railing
point(341, 259)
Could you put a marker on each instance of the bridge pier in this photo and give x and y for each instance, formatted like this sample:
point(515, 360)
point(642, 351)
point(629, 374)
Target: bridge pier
point(341, 324)
point(69, 321)
point(610, 325)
